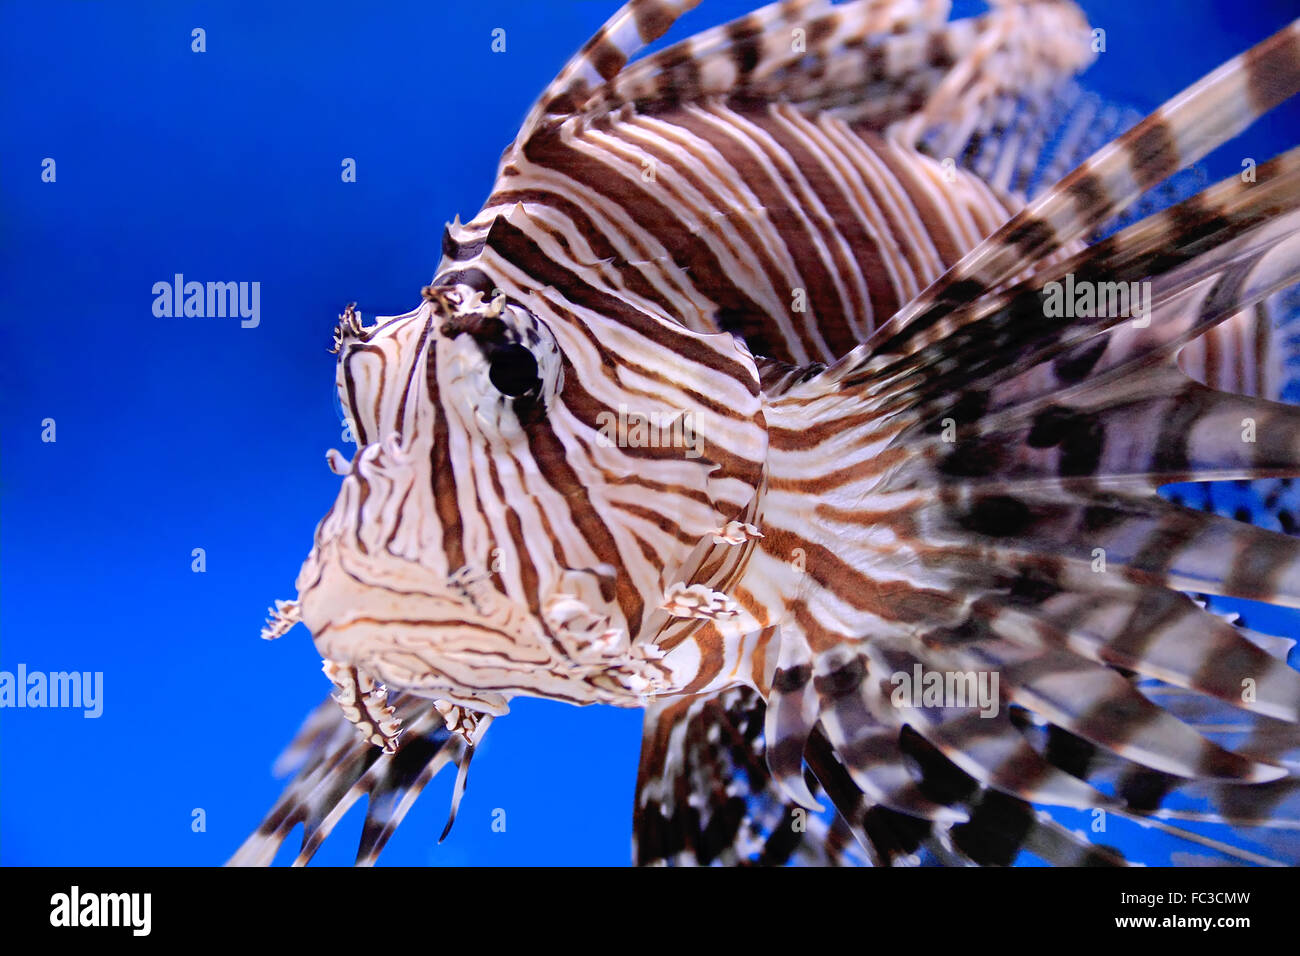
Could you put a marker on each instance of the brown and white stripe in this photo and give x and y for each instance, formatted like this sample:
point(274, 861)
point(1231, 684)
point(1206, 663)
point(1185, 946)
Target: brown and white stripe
point(936, 498)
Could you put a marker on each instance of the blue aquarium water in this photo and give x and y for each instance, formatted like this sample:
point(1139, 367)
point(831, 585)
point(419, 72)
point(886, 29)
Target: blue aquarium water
point(178, 434)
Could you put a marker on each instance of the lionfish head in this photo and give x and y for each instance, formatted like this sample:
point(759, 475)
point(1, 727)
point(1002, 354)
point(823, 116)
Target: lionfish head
point(497, 531)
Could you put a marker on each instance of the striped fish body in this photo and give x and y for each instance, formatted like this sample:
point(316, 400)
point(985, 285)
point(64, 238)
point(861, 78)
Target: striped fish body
point(739, 401)
point(632, 300)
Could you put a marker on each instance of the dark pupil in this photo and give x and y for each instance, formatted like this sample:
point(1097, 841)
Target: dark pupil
point(513, 370)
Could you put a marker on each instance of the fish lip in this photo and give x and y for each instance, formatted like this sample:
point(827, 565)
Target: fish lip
point(429, 634)
point(418, 664)
point(432, 625)
point(441, 636)
point(418, 632)
point(339, 581)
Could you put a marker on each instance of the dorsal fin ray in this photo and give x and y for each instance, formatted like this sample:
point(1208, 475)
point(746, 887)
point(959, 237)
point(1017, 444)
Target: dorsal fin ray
point(1179, 133)
point(899, 66)
point(635, 25)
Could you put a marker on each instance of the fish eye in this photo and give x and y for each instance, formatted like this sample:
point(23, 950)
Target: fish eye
point(513, 370)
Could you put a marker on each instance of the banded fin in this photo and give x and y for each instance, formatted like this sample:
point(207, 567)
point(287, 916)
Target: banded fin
point(1202, 435)
point(891, 65)
point(333, 768)
point(955, 570)
point(1203, 821)
point(784, 51)
point(1022, 56)
point(1204, 260)
point(704, 795)
point(635, 24)
point(1179, 133)
point(1100, 706)
point(998, 829)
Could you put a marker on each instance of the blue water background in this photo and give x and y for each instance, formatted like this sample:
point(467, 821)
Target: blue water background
point(175, 434)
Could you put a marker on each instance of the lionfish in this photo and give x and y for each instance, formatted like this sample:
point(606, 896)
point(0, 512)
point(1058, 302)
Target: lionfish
point(743, 401)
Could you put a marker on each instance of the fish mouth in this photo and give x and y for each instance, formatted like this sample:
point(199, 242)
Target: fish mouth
point(441, 660)
point(455, 640)
point(456, 637)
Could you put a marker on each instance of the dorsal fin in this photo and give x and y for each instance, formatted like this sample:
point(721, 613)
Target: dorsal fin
point(878, 63)
point(636, 24)
point(1179, 133)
